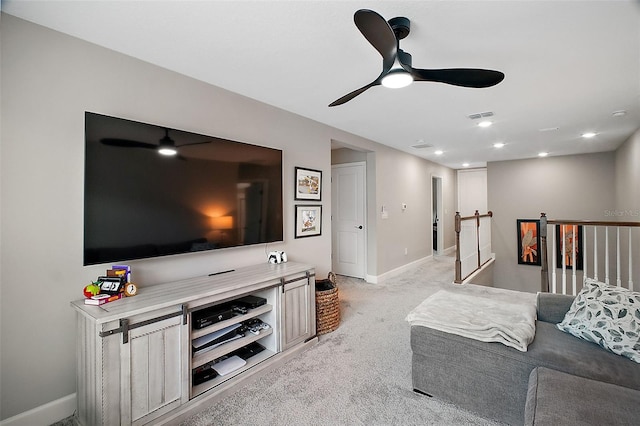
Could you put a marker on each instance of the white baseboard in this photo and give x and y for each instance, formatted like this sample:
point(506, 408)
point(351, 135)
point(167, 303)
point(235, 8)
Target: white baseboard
point(44, 415)
point(375, 279)
point(448, 251)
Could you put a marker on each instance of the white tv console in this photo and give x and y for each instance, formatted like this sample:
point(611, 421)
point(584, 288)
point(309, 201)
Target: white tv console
point(134, 355)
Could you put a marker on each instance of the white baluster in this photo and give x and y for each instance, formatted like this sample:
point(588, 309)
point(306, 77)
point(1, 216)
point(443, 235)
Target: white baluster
point(574, 248)
point(554, 286)
point(630, 261)
point(563, 259)
point(584, 254)
point(618, 278)
point(606, 255)
point(595, 253)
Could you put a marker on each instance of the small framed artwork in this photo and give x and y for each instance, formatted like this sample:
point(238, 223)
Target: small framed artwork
point(308, 184)
point(568, 241)
point(529, 241)
point(308, 221)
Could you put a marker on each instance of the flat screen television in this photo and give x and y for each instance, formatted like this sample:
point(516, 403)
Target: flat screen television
point(213, 193)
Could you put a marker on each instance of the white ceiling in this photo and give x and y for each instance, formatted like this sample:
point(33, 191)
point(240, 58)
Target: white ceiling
point(568, 64)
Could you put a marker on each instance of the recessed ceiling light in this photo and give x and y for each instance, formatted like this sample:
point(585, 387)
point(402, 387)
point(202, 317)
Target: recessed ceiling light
point(498, 145)
point(439, 152)
point(588, 135)
point(485, 123)
point(465, 164)
point(422, 145)
point(543, 154)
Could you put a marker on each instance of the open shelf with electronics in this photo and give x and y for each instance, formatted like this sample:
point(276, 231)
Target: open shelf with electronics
point(252, 346)
point(136, 359)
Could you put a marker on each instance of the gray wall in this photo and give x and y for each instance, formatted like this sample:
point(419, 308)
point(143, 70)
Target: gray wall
point(567, 187)
point(627, 207)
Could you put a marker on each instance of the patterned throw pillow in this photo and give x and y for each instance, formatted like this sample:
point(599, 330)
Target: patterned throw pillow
point(608, 316)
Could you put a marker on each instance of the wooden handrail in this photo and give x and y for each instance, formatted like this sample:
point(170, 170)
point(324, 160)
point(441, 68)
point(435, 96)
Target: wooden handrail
point(591, 222)
point(475, 216)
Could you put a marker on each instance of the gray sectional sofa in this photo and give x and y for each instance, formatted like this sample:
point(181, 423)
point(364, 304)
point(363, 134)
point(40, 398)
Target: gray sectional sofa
point(493, 380)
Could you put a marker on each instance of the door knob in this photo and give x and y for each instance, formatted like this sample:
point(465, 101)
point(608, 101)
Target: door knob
point(359, 227)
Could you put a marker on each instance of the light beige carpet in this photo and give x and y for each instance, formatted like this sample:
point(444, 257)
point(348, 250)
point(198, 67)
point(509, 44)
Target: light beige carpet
point(359, 374)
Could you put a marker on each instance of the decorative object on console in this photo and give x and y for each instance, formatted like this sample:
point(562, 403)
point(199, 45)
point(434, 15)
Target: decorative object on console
point(607, 316)
point(528, 241)
point(130, 289)
point(102, 298)
point(308, 221)
point(112, 285)
point(308, 184)
point(92, 289)
point(277, 257)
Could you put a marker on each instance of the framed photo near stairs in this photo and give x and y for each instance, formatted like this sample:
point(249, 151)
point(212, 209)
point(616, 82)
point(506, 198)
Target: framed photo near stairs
point(529, 242)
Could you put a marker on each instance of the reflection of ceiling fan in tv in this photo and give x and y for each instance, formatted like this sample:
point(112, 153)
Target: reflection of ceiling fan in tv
point(396, 63)
point(166, 145)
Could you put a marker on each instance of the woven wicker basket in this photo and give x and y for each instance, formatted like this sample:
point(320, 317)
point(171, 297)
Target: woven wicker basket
point(327, 307)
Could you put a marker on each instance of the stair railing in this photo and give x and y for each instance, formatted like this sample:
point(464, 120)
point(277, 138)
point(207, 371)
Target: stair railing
point(473, 243)
point(581, 254)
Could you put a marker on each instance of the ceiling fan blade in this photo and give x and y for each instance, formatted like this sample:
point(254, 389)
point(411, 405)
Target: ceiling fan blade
point(192, 143)
point(346, 98)
point(378, 32)
point(466, 77)
point(125, 143)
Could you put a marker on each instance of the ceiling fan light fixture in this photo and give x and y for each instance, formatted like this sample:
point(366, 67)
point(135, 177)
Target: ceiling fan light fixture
point(396, 79)
point(168, 151)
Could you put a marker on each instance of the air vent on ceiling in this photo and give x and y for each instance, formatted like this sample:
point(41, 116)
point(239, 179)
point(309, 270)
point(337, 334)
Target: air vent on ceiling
point(422, 146)
point(481, 115)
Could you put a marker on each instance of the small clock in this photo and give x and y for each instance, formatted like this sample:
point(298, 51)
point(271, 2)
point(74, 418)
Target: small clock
point(130, 289)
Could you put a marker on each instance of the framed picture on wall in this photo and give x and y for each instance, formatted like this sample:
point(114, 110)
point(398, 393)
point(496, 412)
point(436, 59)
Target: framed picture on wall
point(528, 241)
point(308, 184)
point(308, 221)
point(569, 240)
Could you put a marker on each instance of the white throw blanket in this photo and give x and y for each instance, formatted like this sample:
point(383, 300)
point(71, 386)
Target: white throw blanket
point(508, 317)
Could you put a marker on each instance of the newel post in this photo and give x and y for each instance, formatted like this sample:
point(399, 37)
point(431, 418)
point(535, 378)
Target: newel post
point(477, 215)
point(458, 278)
point(544, 272)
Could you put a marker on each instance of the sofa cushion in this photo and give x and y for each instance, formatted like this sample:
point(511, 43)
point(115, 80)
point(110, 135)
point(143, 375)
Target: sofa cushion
point(555, 398)
point(608, 316)
point(553, 307)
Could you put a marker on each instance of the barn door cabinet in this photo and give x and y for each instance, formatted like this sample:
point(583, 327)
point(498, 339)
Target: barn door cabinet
point(135, 363)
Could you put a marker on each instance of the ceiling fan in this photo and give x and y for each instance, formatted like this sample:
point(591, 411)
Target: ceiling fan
point(396, 63)
point(166, 145)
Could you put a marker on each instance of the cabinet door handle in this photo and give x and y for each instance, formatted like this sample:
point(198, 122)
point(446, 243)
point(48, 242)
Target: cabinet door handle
point(125, 326)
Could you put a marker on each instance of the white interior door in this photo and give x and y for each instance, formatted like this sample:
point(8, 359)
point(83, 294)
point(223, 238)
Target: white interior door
point(348, 226)
point(472, 191)
point(437, 215)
